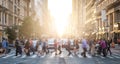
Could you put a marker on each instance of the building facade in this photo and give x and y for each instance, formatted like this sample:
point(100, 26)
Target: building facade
point(78, 16)
point(40, 13)
point(90, 22)
point(12, 13)
point(109, 28)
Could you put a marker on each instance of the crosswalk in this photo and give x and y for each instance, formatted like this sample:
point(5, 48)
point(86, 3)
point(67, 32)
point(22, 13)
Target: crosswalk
point(113, 56)
point(50, 55)
point(63, 55)
point(19, 56)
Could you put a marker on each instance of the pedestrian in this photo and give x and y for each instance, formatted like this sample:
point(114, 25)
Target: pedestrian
point(32, 48)
point(34, 44)
point(27, 48)
point(84, 46)
point(91, 43)
point(68, 47)
point(76, 47)
point(93, 47)
point(47, 49)
point(5, 46)
point(99, 47)
point(103, 46)
point(56, 46)
point(39, 49)
point(44, 48)
point(18, 47)
point(108, 46)
point(59, 46)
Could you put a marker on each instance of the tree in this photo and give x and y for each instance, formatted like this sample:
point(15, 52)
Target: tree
point(26, 29)
point(12, 35)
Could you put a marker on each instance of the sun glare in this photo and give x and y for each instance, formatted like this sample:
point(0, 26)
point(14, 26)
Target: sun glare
point(60, 10)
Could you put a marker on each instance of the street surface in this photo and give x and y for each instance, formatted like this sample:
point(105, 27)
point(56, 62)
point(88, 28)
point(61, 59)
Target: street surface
point(60, 59)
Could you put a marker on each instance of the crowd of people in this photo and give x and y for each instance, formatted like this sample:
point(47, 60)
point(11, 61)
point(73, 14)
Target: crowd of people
point(40, 47)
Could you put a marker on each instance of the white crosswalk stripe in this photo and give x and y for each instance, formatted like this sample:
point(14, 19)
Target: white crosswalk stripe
point(8, 56)
point(62, 55)
point(115, 55)
point(23, 56)
point(33, 56)
point(110, 57)
point(88, 56)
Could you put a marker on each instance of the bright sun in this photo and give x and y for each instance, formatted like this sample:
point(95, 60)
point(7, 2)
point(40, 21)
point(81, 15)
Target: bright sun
point(60, 10)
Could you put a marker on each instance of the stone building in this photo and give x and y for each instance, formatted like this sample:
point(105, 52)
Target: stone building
point(12, 13)
point(111, 26)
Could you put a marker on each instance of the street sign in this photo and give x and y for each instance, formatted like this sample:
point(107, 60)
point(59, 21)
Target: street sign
point(103, 14)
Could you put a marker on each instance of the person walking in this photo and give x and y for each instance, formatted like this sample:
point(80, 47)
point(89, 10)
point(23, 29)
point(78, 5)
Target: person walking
point(91, 42)
point(27, 48)
point(44, 47)
point(32, 48)
point(34, 44)
point(39, 49)
point(68, 48)
point(103, 46)
point(93, 47)
point(5, 46)
point(84, 46)
point(99, 47)
point(18, 48)
point(108, 46)
point(76, 47)
point(56, 46)
point(59, 46)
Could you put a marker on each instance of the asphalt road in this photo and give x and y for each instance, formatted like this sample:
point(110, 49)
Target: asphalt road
point(60, 59)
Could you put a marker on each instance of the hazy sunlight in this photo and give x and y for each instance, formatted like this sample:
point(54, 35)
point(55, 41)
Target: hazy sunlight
point(60, 10)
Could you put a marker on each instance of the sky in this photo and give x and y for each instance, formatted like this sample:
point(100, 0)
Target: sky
point(60, 10)
point(60, 7)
